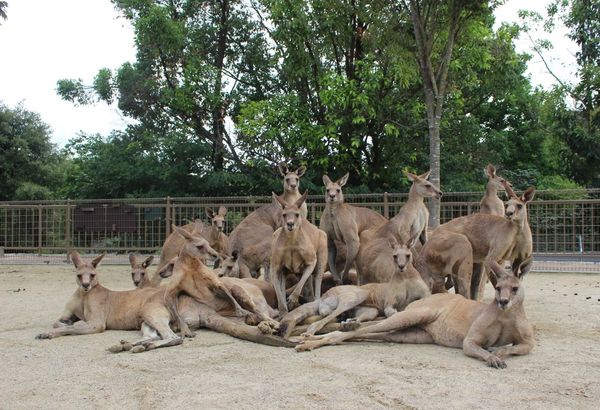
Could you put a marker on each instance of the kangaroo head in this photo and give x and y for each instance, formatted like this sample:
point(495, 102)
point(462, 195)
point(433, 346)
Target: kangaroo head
point(333, 190)
point(509, 289)
point(139, 270)
point(291, 179)
point(423, 186)
point(290, 215)
point(401, 254)
point(217, 219)
point(495, 180)
point(195, 245)
point(86, 271)
point(516, 207)
point(230, 266)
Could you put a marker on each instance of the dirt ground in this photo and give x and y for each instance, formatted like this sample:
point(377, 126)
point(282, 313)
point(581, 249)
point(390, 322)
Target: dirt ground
point(217, 371)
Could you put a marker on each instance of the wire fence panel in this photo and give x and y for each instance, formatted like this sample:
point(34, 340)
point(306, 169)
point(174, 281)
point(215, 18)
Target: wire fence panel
point(565, 222)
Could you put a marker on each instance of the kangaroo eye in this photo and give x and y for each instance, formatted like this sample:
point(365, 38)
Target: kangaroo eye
point(92, 276)
point(519, 206)
point(515, 289)
point(498, 288)
point(338, 190)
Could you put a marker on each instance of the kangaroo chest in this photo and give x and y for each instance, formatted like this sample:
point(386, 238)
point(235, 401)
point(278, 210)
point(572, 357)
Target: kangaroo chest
point(294, 260)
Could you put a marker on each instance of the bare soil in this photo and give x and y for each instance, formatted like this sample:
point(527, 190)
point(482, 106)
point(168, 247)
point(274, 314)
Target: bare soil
point(217, 371)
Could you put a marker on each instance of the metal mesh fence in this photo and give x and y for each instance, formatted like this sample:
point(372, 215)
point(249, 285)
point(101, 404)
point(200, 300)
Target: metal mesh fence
point(564, 223)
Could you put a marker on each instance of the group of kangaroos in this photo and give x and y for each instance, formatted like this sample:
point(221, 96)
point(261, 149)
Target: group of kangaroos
point(282, 281)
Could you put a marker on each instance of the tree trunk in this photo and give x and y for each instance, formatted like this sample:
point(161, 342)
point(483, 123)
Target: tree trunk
point(219, 110)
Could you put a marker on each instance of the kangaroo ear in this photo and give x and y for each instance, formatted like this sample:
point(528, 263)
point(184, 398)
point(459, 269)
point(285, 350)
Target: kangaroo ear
point(326, 180)
point(283, 169)
point(392, 241)
point(210, 213)
point(490, 171)
point(222, 211)
point(342, 181)
point(280, 200)
point(528, 194)
point(497, 270)
point(300, 171)
point(301, 200)
point(525, 267)
point(425, 175)
point(76, 259)
point(97, 259)
point(182, 232)
point(148, 261)
point(132, 260)
point(411, 177)
point(508, 189)
point(167, 270)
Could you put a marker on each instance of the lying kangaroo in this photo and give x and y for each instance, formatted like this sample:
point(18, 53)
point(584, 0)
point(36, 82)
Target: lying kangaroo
point(373, 260)
point(488, 332)
point(94, 308)
point(344, 223)
point(298, 247)
point(139, 271)
point(446, 255)
point(371, 300)
point(224, 295)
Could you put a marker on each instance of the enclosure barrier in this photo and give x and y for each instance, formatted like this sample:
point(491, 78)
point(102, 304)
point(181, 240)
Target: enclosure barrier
point(565, 224)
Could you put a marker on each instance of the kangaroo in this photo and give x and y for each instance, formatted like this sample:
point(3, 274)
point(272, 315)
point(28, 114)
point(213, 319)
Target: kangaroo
point(213, 234)
point(139, 272)
point(224, 295)
point(489, 332)
point(298, 247)
point(494, 238)
point(490, 203)
point(94, 308)
point(373, 260)
point(344, 223)
point(446, 255)
point(370, 301)
point(291, 186)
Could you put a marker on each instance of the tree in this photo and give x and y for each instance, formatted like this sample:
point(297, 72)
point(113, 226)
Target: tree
point(3, 7)
point(437, 25)
point(29, 162)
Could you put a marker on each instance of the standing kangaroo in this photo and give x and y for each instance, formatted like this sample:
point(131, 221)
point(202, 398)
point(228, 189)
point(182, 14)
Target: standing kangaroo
point(298, 247)
point(344, 223)
point(494, 238)
point(291, 186)
point(489, 332)
point(373, 261)
point(490, 203)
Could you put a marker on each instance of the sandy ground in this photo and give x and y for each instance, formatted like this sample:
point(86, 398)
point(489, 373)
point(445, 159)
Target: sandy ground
point(217, 371)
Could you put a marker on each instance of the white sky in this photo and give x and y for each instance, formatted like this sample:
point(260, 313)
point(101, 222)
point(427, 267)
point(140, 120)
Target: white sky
point(44, 41)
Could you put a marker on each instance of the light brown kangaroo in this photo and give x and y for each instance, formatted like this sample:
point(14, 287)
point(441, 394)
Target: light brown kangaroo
point(373, 260)
point(139, 271)
point(446, 255)
point(488, 332)
point(490, 203)
point(494, 238)
point(298, 248)
point(213, 233)
point(291, 186)
point(94, 308)
point(372, 300)
point(224, 295)
point(344, 223)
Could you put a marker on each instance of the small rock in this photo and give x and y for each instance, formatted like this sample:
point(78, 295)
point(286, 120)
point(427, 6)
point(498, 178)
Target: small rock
point(575, 293)
point(588, 297)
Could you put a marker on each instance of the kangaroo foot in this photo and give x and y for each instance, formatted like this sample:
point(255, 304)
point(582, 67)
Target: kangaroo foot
point(349, 325)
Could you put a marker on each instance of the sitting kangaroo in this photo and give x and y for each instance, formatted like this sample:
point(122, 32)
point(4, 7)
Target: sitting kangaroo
point(139, 271)
point(372, 300)
point(94, 308)
point(489, 332)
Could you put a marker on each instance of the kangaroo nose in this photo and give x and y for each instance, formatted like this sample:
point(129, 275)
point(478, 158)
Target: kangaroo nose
point(503, 302)
point(136, 282)
point(509, 213)
point(85, 285)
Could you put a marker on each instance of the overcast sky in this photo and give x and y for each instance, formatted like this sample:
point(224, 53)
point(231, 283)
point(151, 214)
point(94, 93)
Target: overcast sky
point(44, 41)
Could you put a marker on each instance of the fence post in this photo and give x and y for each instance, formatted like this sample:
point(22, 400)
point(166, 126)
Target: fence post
point(68, 229)
point(168, 217)
point(386, 207)
point(313, 216)
point(40, 229)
